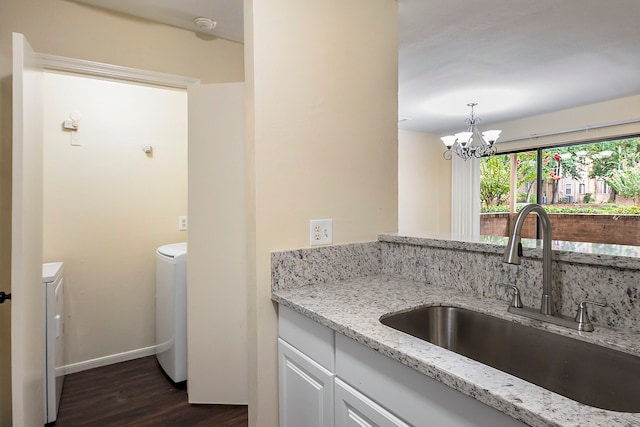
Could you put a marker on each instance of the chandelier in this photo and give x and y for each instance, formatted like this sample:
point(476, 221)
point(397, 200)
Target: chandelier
point(471, 143)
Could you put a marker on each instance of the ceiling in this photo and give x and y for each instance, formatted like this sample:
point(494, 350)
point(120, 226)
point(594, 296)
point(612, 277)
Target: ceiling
point(180, 13)
point(515, 58)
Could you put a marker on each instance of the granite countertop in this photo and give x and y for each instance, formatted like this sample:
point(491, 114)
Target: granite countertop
point(604, 254)
point(352, 307)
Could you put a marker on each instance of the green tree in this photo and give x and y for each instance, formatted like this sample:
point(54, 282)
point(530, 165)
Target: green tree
point(610, 160)
point(626, 180)
point(617, 162)
point(558, 163)
point(494, 179)
point(527, 172)
point(608, 156)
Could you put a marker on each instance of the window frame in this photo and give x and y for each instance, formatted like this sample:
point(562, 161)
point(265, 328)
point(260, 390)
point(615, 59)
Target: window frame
point(568, 188)
point(539, 149)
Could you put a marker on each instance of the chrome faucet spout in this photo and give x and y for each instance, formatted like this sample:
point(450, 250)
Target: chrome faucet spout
point(513, 251)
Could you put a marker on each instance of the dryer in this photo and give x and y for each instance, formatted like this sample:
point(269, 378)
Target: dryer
point(53, 287)
point(171, 310)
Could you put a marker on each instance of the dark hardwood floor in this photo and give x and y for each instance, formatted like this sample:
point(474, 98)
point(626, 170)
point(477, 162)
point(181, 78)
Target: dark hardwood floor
point(136, 393)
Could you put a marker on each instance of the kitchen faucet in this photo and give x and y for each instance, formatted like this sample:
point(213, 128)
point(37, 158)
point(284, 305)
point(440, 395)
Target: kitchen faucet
point(512, 255)
point(514, 251)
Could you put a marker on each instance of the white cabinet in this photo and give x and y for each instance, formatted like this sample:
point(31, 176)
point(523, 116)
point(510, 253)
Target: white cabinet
point(306, 390)
point(327, 379)
point(354, 409)
point(415, 398)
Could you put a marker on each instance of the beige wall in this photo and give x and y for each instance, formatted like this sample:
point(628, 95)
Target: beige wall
point(322, 81)
point(108, 205)
point(68, 29)
point(64, 28)
point(217, 267)
point(424, 184)
point(615, 110)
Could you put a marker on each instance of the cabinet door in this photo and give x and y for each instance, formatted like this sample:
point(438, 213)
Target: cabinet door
point(353, 409)
point(305, 390)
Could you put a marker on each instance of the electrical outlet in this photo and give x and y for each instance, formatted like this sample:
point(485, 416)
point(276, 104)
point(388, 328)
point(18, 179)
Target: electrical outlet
point(182, 223)
point(321, 231)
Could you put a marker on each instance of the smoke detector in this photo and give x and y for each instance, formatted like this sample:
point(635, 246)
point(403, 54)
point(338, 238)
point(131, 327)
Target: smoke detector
point(205, 23)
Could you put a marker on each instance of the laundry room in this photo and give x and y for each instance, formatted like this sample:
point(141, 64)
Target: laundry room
point(115, 189)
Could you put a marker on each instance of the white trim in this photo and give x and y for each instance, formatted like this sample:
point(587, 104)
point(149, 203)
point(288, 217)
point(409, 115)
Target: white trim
point(98, 69)
point(108, 360)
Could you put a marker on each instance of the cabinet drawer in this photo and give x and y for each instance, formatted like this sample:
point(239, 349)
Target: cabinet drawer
point(308, 336)
point(420, 400)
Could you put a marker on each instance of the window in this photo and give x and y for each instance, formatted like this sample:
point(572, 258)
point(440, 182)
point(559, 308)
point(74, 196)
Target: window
point(600, 187)
point(567, 189)
point(607, 174)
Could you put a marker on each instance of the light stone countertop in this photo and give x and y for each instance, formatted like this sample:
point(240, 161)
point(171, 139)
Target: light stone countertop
point(352, 307)
point(621, 256)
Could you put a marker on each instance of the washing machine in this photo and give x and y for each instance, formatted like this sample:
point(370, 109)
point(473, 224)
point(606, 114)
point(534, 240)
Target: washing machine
point(171, 310)
point(53, 284)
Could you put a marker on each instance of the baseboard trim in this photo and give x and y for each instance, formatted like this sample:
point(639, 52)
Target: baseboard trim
point(109, 360)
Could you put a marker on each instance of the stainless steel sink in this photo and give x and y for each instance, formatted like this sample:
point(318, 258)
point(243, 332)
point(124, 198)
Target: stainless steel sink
point(590, 374)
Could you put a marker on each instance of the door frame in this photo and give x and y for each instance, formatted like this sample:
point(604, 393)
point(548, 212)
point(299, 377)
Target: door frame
point(118, 72)
point(82, 67)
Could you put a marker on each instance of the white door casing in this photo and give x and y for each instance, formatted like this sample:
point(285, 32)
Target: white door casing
point(27, 346)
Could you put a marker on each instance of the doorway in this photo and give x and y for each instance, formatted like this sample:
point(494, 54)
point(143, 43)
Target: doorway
point(114, 187)
point(217, 276)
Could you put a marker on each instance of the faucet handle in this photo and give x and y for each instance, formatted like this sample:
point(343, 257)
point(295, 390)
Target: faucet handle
point(582, 316)
point(515, 299)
